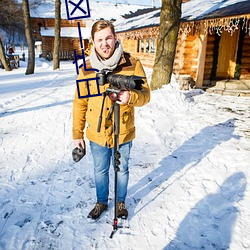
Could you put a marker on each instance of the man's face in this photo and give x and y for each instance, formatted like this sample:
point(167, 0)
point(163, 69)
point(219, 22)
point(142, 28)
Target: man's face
point(104, 42)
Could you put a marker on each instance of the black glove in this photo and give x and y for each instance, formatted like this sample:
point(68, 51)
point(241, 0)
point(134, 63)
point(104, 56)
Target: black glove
point(78, 153)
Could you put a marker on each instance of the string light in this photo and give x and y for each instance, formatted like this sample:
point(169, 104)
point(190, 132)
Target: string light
point(218, 25)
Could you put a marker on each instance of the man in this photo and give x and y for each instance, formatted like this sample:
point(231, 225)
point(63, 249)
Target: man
point(108, 54)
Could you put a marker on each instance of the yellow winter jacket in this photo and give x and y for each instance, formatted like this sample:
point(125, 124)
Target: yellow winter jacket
point(87, 110)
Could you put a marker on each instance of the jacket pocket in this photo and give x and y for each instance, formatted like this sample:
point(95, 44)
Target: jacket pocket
point(127, 120)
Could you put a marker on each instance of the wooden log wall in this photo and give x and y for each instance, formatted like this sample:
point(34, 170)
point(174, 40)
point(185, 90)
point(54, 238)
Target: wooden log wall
point(178, 61)
point(131, 46)
point(186, 55)
point(47, 45)
point(77, 46)
point(146, 59)
point(67, 46)
point(190, 56)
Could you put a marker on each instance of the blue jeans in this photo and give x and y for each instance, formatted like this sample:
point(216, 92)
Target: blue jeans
point(102, 157)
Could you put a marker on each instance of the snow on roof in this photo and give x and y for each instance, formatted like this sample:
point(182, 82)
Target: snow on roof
point(192, 10)
point(146, 20)
point(67, 32)
point(198, 9)
point(98, 10)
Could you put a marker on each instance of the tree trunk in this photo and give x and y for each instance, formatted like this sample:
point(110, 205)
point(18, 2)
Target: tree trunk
point(168, 34)
point(29, 38)
point(56, 59)
point(3, 57)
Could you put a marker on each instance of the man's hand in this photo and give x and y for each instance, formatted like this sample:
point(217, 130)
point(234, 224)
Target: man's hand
point(123, 97)
point(79, 143)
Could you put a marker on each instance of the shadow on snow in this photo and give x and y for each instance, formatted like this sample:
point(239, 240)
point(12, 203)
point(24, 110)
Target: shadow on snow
point(190, 153)
point(209, 225)
point(23, 110)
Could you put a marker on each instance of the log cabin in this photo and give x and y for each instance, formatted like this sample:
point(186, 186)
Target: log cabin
point(213, 41)
point(43, 31)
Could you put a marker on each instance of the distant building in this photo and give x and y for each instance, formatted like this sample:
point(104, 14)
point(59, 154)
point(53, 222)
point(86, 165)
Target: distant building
point(43, 20)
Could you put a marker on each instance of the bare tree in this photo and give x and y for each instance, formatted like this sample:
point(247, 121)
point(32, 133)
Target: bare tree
point(11, 24)
point(36, 3)
point(3, 57)
point(28, 33)
point(56, 59)
point(168, 34)
point(11, 16)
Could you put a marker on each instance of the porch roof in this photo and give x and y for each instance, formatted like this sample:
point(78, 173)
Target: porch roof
point(67, 32)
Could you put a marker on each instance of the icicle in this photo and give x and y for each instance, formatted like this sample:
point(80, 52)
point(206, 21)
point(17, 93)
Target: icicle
point(217, 25)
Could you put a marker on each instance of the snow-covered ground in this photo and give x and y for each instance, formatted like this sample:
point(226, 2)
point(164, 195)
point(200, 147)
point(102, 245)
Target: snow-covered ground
point(189, 170)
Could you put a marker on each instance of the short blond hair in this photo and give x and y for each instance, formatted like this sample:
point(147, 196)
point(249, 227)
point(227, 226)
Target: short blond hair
point(100, 25)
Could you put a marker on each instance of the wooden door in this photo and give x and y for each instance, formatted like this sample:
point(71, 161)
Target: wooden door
point(227, 55)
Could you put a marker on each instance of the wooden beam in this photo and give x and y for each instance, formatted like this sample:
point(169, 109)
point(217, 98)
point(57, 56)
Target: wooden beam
point(201, 60)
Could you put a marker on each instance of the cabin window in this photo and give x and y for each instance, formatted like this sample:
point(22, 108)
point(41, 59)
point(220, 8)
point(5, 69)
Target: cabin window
point(152, 45)
point(140, 45)
point(146, 45)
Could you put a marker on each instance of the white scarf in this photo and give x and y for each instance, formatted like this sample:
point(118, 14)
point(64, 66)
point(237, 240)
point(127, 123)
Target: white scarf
point(110, 64)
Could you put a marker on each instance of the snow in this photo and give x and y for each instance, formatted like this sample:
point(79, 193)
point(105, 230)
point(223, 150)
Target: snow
point(192, 10)
point(145, 20)
point(196, 9)
point(156, 3)
point(68, 32)
point(189, 169)
point(106, 10)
